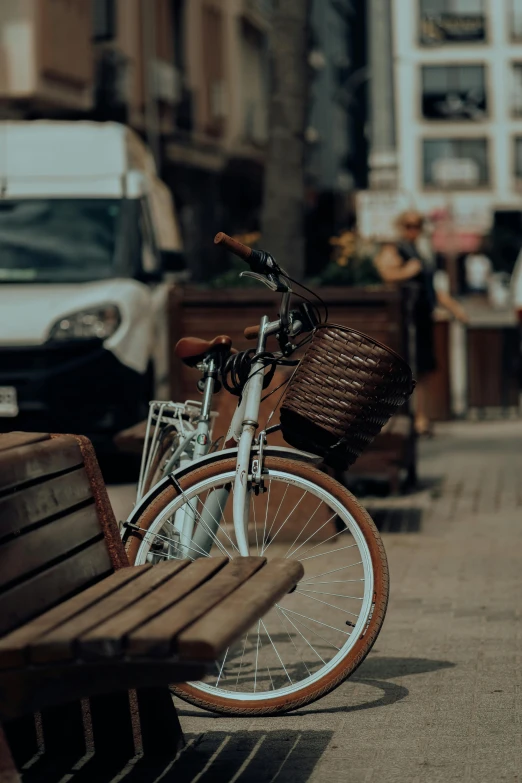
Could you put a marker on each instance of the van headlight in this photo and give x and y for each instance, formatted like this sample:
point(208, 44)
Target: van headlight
point(96, 322)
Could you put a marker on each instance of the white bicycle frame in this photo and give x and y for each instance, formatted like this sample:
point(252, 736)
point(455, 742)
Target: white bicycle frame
point(242, 431)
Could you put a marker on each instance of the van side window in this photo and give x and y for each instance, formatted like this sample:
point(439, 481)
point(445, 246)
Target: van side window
point(150, 255)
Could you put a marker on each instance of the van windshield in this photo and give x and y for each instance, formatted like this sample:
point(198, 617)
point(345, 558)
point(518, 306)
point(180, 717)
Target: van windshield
point(58, 240)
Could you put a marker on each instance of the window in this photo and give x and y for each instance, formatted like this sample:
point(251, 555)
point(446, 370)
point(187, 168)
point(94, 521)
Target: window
point(518, 157)
point(516, 90)
point(216, 103)
point(515, 19)
point(104, 20)
point(450, 21)
point(458, 163)
point(178, 19)
point(254, 66)
point(453, 92)
point(59, 240)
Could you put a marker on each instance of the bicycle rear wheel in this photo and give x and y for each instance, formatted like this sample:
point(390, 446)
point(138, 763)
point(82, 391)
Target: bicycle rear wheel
point(316, 636)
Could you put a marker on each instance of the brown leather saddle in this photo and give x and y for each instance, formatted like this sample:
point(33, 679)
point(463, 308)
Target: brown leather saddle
point(192, 350)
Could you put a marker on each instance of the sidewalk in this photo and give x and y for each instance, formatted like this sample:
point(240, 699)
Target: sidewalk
point(439, 698)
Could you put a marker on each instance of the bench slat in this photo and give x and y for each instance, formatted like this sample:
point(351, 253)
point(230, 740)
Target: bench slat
point(30, 689)
point(60, 644)
point(34, 504)
point(108, 639)
point(11, 440)
point(156, 636)
point(14, 646)
point(25, 554)
point(206, 638)
point(37, 460)
point(41, 592)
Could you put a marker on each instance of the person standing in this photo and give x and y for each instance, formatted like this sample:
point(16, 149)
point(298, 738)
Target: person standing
point(407, 261)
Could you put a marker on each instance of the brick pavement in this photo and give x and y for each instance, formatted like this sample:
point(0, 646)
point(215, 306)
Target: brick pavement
point(439, 698)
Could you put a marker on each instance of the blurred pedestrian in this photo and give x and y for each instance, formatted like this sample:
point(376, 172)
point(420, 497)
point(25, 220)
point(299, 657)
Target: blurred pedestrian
point(409, 261)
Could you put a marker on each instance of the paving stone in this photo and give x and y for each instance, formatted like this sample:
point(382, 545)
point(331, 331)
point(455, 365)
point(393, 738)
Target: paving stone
point(440, 697)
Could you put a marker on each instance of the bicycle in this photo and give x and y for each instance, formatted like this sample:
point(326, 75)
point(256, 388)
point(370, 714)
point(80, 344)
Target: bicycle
point(170, 435)
point(249, 498)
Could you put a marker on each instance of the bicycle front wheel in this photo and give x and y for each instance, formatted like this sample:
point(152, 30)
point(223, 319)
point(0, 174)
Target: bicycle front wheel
point(317, 635)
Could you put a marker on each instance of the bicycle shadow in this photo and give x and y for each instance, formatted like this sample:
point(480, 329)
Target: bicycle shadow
point(283, 754)
point(375, 672)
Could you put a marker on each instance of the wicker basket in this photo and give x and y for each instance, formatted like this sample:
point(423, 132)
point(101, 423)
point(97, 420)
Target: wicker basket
point(343, 392)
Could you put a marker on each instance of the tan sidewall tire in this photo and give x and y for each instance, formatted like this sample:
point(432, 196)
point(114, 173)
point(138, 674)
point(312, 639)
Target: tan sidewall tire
point(359, 651)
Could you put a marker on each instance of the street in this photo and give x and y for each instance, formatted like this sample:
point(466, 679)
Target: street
point(439, 697)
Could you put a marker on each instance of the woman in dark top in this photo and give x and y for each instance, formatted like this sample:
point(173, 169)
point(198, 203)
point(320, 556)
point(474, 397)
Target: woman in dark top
point(404, 262)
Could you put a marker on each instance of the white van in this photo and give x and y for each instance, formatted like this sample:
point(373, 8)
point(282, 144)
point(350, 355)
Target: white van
point(86, 232)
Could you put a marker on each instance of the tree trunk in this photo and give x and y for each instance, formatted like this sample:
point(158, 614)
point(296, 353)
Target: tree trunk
point(283, 206)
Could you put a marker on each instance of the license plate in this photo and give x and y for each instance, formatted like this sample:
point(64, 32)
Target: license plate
point(8, 401)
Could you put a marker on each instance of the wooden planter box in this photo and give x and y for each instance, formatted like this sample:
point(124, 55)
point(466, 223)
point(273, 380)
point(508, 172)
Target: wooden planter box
point(377, 311)
point(205, 313)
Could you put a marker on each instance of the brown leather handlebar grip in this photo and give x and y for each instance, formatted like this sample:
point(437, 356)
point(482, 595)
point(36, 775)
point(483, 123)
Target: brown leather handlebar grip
point(251, 332)
point(238, 248)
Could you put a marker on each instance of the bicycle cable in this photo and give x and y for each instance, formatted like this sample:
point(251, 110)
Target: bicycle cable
point(236, 370)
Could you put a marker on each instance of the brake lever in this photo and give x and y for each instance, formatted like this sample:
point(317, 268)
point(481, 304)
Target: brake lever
point(261, 278)
point(271, 281)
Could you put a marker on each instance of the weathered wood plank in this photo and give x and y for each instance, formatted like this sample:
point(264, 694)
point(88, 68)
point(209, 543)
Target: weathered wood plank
point(61, 643)
point(160, 726)
point(37, 687)
point(156, 636)
point(25, 554)
point(34, 504)
point(209, 636)
point(109, 639)
point(14, 646)
point(11, 440)
point(37, 460)
point(41, 592)
point(111, 721)
point(62, 729)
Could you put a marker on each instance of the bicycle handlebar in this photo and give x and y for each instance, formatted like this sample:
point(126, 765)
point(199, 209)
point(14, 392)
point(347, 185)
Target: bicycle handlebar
point(251, 332)
point(259, 262)
point(235, 247)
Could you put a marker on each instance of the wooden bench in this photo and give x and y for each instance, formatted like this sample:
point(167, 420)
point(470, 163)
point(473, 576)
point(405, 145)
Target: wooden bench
point(79, 628)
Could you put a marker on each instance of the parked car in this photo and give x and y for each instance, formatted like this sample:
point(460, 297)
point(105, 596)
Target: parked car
point(87, 231)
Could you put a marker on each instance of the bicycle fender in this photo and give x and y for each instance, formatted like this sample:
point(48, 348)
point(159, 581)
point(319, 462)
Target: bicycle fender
point(215, 456)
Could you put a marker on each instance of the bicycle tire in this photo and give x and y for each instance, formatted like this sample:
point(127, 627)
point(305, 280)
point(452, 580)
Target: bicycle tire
point(348, 664)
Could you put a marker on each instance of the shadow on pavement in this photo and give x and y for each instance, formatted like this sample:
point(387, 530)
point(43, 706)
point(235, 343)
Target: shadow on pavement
point(375, 667)
point(375, 672)
point(246, 756)
point(396, 519)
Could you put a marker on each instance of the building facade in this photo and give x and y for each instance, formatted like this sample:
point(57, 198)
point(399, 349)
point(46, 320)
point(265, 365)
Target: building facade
point(189, 75)
point(336, 160)
point(458, 86)
point(192, 77)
